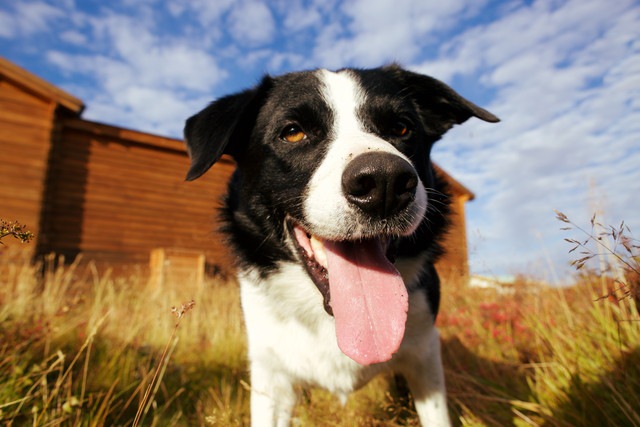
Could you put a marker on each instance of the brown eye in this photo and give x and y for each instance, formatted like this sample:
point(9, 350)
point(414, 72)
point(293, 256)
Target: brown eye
point(400, 128)
point(292, 133)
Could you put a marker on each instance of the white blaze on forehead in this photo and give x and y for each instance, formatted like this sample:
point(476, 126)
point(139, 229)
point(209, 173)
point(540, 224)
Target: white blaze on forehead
point(344, 96)
point(326, 208)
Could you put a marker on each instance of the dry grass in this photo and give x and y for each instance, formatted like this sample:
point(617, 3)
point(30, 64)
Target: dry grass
point(79, 346)
point(542, 356)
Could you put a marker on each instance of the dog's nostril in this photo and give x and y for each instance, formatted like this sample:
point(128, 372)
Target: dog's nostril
point(406, 182)
point(381, 184)
point(362, 186)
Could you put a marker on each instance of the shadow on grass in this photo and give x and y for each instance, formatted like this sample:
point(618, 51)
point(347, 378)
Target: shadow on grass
point(191, 393)
point(475, 385)
point(612, 399)
point(491, 393)
point(481, 389)
point(107, 387)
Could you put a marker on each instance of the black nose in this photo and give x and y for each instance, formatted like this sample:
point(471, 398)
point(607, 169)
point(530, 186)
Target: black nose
point(381, 184)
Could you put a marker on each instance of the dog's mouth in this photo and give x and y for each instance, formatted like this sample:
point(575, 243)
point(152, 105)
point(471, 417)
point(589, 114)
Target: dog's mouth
point(361, 288)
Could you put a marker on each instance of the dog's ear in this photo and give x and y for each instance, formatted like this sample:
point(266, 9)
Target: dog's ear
point(223, 127)
point(441, 106)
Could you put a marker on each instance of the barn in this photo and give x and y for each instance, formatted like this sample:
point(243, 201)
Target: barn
point(118, 196)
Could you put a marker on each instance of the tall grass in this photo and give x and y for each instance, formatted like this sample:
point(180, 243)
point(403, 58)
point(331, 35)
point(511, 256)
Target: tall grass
point(541, 356)
point(80, 346)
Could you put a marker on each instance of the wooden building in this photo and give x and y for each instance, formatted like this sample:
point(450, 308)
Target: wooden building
point(117, 195)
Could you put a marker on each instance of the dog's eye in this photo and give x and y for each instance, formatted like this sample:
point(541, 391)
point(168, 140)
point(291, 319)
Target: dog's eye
point(399, 128)
point(292, 133)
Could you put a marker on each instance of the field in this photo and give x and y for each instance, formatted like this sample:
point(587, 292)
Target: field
point(79, 346)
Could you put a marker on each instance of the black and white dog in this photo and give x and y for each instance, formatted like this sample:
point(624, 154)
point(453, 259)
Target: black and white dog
point(334, 214)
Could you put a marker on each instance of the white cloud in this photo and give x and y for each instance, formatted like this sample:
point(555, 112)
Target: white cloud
point(154, 110)
point(565, 78)
point(298, 17)
point(28, 18)
point(148, 78)
point(378, 32)
point(252, 23)
point(6, 25)
point(143, 58)
point(74, 37)
point(206, 12)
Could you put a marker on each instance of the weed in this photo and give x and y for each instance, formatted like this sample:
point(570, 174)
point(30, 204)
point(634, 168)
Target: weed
point(143, 408)
point(616, 249)
point(14, 229)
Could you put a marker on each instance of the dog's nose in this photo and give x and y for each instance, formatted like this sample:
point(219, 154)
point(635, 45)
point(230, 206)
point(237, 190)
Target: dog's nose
point(381, 184)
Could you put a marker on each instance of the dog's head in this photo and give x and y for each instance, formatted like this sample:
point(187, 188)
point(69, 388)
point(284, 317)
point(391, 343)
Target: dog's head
point(333, 169)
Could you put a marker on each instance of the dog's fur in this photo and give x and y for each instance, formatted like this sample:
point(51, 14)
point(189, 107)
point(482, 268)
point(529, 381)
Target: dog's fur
point(335, 163)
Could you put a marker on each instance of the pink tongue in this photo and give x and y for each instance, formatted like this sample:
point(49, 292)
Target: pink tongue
point(369, 300)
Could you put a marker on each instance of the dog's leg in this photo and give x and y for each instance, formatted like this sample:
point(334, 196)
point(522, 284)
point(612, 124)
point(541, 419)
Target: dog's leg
point(426, 383)
point(272, 394)
point(272, 398)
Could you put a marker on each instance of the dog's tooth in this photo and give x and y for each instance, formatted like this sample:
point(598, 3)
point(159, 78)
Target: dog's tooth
point(318, 251)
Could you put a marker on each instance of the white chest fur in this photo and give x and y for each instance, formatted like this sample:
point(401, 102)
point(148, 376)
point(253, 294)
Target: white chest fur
point(290, 333)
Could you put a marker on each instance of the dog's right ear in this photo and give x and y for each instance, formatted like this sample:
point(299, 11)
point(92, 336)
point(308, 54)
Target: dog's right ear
point(216, 130)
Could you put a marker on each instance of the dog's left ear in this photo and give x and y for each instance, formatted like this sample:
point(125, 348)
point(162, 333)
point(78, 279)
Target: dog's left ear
point(218, 129)
point(441, 106)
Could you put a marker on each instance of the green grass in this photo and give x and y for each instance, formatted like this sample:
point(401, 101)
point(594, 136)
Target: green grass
point(79, 346)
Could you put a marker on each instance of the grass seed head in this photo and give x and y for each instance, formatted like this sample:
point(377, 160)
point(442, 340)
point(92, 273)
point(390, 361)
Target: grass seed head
point(180, 312)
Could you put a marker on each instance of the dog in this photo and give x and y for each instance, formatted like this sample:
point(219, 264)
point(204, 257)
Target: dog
point(335, 215)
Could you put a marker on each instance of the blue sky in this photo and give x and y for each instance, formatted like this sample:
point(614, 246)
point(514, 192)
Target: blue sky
point(564, 77)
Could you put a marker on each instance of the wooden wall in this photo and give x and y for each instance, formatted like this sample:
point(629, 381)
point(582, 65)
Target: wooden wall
point(26, 121)
point(454, 263)
point(115, 195)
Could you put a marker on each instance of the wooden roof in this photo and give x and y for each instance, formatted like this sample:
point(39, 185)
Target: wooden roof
point(40, 87)
point(124, 134)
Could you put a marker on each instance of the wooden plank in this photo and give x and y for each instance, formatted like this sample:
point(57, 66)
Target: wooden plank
point(11, 92)
point(27, 130)
point(17, 111)
point(22, 147)
point(171, 266)
point(115, 221)
point(127, 221)
point(20, 193)
point(30, 170)
point(36, 121)
point(121, 134)
point(147, 214)
point(23, 164)
point(154, 197)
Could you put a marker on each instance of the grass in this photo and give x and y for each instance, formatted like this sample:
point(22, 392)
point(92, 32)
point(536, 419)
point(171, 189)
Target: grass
point(542, 356)
point(80, 346)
